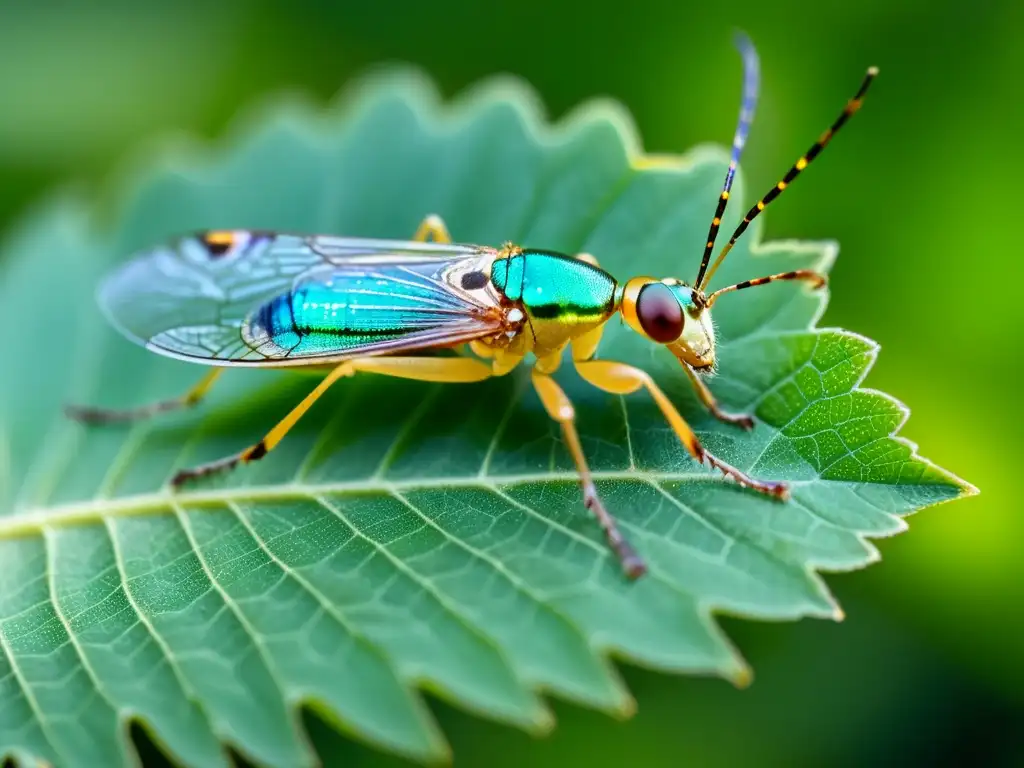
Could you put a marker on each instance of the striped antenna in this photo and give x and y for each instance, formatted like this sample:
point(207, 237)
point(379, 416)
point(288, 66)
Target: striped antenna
point(809, 275)
point(751, 84)
point(852, 106)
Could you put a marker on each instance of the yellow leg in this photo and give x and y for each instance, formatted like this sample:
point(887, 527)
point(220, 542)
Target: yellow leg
point(559, 407)
point(92, 415)
point(433, 228)
point(740, 419)
point(501, 360)
point(585, 347)
point(622, 379)
point(482, 350)
point(438, 369)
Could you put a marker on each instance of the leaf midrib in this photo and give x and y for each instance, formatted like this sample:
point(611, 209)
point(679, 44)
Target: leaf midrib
point(38, 519)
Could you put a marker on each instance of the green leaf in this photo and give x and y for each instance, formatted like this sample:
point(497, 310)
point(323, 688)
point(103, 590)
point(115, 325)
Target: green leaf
point(409, 537)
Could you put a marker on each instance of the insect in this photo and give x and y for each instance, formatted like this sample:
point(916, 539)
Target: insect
point(353, 306)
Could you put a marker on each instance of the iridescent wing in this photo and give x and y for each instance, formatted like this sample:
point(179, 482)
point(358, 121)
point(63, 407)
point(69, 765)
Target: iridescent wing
point(258, 298)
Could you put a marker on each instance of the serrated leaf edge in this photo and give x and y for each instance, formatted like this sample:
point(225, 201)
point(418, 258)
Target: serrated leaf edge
point(186, 155)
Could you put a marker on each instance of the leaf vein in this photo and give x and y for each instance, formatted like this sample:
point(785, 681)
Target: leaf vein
point(45, 726)
point(428, 585)
point(186, 688)
point(51, 550)
point(499, 567)
point(231, 605)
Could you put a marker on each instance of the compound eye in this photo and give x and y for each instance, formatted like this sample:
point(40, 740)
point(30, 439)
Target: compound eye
point(659, 313)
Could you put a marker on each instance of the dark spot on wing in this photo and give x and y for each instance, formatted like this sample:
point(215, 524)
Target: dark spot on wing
point(218, 242)
point(472, 281)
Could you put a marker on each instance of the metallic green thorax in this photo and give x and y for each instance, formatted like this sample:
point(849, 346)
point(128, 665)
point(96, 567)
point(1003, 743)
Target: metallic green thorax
point(552, 286)
point(562, 296)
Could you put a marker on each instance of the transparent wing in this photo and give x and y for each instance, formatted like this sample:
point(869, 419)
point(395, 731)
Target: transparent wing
point(245, 297)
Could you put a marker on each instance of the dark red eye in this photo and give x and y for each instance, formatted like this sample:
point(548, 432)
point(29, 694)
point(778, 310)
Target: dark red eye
point(659, 313)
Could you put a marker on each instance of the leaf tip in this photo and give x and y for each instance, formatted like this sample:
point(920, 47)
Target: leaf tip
point(542, 722)
point(966, 489)
point(742, 676)
point(625, 708)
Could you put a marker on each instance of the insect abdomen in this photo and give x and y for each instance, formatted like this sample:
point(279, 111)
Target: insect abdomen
point(275, 320)
point(341, 311)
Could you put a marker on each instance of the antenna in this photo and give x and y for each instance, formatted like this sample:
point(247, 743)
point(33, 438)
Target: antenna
point(751, 82)
point(851, 107)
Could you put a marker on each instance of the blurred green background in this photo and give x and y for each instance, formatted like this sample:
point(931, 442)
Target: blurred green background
point(927, 668)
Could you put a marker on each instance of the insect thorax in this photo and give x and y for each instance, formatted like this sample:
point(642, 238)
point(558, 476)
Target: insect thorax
point(562, 297)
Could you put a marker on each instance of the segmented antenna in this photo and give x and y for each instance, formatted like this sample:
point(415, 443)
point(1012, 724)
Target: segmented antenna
point(852, 106)
point(751, 84)
point(809, 275)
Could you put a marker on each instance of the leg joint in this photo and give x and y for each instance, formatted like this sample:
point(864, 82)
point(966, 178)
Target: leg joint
point(255, 453)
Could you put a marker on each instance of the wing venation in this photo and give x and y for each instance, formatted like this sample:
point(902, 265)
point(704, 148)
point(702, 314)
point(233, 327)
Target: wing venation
point(243, 297)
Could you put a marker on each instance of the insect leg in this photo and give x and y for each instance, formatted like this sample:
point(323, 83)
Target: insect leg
point(482, 350)
point(559, 407)
point(438, 369)
point(585, 347)
point(706, 397)
point(92, 415)
point(622, 379)
point(432, 227)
